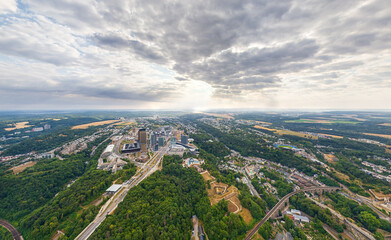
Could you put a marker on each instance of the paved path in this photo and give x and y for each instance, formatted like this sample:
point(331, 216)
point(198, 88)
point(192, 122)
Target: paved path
point(15, 234)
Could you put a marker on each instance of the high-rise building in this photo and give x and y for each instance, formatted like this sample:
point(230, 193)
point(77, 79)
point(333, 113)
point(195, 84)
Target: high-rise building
point(142, 136)
point(153, 139)
point(156, 147)
point(184, 139)
point(161, 141)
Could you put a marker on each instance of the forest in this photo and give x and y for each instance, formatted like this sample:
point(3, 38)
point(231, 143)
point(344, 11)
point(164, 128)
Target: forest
point(359, 212)
point(162, 205)
point(30, 203)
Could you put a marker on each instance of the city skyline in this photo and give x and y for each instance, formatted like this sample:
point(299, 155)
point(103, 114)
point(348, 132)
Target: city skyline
point(189, 55)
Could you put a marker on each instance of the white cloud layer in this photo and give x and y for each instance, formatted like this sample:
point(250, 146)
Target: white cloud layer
point(195, 54)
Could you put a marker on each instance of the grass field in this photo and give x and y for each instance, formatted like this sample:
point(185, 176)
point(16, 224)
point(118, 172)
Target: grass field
point(287, 132)
point(22, 167)
point(18, 125)
point(99, 123)
point(379, 135)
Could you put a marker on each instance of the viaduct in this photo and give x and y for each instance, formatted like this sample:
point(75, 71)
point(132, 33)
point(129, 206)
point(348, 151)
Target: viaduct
point(281, 204)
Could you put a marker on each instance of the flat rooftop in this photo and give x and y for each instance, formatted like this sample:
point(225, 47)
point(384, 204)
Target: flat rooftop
point(114, 188)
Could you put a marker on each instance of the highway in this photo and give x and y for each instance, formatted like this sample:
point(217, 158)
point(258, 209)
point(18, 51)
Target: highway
point(15, 234)
point(277, 206)
point(146, 170)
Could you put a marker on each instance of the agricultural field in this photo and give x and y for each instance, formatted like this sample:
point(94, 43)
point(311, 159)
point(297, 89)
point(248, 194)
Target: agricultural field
point(321, 121)
point(218, 115)
point(287, 132)
point(93, 124)
point(18, 125)
point(379, 135)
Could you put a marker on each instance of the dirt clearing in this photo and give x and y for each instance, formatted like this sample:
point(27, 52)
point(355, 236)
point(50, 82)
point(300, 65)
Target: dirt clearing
point(22, 167)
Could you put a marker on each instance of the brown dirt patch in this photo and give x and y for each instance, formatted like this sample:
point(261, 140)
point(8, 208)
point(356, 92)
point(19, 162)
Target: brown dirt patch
point(330, 158)
point(232, 207)
point(379, 135)
point(22, 167)
point(385, 124)
point(18, 125)
point(246, 215)
point(206, 175)
point(342, 176)
point(99, 123)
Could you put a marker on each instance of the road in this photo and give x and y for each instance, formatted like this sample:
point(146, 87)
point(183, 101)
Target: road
point(364, 232)
point(365, 201)
point(145, 171)
point(278, 205)
point(250, 186)
point(15, 234)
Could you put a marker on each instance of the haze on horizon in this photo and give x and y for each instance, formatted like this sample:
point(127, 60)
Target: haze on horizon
point(288, 54)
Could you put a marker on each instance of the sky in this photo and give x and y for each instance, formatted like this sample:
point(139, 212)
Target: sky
point(195, 55)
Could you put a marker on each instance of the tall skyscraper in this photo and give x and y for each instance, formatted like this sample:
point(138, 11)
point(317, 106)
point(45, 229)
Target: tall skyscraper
point(142, 136)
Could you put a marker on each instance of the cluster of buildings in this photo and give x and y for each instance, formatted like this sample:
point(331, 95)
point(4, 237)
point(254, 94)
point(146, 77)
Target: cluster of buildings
point(377, 175)
point(295, 215)
point(376, 168)
point(79, 144)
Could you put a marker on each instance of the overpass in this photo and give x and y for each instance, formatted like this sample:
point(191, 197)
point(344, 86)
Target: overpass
point(15, 234)
point(274, 211)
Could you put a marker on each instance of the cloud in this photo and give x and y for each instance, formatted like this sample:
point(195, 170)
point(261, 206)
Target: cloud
point(234, 52)
point(8, 6)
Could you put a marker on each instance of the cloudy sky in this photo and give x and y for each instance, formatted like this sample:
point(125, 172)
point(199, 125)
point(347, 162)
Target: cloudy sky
point(261, 54)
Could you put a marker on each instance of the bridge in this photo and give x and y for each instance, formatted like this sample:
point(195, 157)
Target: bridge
point(274, 211)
